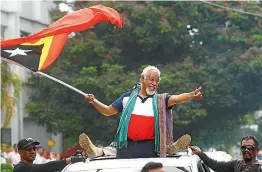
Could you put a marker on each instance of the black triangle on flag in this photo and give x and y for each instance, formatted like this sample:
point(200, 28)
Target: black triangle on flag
point(25, 55)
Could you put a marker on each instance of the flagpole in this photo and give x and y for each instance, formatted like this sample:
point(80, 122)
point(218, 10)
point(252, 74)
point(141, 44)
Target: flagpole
point(63, 83)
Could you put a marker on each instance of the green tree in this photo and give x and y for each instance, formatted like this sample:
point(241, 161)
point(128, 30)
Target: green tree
point(9, 99)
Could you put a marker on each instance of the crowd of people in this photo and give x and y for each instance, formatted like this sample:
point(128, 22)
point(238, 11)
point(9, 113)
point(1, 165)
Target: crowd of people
point(42, 156)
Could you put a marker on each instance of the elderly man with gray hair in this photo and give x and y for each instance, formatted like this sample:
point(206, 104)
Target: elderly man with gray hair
point(146, 124)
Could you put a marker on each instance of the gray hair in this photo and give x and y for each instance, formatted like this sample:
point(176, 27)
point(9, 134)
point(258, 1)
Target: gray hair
point(148, 68)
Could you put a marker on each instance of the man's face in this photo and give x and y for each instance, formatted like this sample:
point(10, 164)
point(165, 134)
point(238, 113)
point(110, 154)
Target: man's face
point(150, 82)
point(28, 153)
point(157, 170)
point(249, 150)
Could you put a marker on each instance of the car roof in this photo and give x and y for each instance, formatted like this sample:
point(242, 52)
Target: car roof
point(219, 155)
point(107, 163)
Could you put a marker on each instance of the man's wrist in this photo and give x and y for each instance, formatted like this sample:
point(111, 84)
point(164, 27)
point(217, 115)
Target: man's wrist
point(201, 154)
point(93, 102)
point(192, 94)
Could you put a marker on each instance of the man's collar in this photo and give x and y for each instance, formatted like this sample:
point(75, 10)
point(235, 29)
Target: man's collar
point(147, 96)
point(249, 163)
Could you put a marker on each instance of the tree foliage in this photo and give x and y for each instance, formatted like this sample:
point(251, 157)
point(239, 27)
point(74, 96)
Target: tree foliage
point(11, 87)
point(192, 43)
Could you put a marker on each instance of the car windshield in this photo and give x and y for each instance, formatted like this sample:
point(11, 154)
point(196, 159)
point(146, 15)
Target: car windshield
point(167, 169)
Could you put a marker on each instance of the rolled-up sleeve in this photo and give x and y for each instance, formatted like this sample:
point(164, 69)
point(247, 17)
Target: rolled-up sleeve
point(119, 102)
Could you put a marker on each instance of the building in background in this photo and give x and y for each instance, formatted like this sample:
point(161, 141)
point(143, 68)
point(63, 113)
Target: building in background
point(22, 18)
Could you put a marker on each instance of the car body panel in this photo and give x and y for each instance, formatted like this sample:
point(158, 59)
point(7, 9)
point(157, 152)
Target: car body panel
point(187, 163)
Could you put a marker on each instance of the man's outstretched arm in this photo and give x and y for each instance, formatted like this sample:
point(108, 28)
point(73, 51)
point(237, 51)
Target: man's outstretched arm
point(184, 97)
point(47, 167)
point(218, 166)
point(102, 108)
point(50, 166)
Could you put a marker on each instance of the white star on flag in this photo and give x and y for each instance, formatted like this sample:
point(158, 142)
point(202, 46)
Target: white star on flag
point(17, 51)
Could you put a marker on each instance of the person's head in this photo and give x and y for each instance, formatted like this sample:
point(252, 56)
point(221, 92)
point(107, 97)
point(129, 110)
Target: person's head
point(150, 79)
point(52, 155)
point(46, 155)
point(249, 148)
point(15, 147)
point(153, 167)
point(58, 157)
point(27, 149)
point(40, 150)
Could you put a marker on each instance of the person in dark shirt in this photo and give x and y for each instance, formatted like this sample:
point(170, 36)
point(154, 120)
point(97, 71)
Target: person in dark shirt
point(249, 163)
point(27, 150)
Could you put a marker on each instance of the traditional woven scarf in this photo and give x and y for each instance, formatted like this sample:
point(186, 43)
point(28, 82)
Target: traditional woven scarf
point(120, 140)
point(165, 124)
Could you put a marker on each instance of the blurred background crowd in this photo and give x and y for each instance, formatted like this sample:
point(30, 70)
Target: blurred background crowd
point(11, 155)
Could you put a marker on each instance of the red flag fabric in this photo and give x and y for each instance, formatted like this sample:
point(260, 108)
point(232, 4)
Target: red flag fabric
point(77, 21)
point(36, 52)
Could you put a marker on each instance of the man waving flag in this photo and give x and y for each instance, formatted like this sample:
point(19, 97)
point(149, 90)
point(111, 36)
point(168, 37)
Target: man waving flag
point(36, 52)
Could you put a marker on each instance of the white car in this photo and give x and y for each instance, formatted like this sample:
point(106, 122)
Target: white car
point(178, 163)
point(219, 155)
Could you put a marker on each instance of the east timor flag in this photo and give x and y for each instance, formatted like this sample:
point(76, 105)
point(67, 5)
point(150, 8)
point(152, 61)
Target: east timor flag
point(38, 55)
point(38, 51)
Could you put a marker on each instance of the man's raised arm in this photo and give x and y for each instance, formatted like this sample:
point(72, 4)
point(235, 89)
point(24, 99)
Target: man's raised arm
point(184, 97)
point(220, 166)
point(102, 108)
point(49, 166)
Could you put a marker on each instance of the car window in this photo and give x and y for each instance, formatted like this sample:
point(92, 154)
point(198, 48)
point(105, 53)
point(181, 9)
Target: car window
point(200, 167)
point(167, 169)
point(206, 168)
